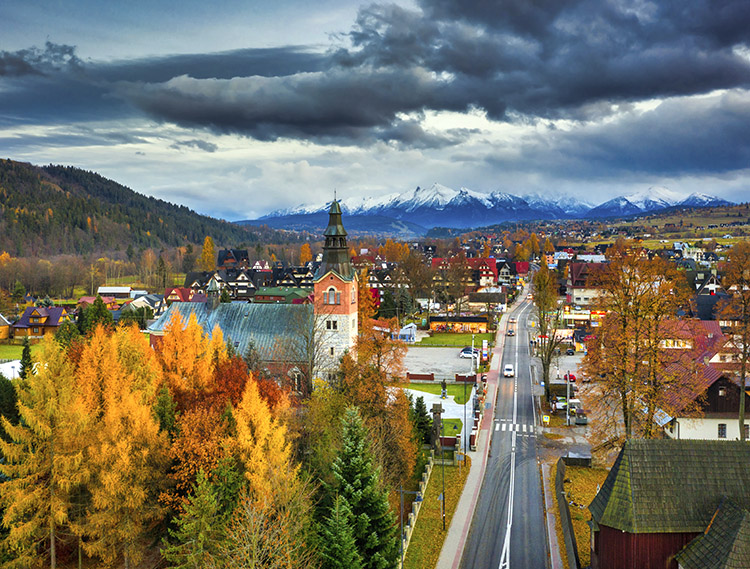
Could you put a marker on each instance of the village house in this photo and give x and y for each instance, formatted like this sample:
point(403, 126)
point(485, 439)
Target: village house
point(661, 499)
point(37, 321)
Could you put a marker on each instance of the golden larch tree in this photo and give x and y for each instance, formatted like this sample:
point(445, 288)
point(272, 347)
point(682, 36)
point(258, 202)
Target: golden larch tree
point(44, 460)
point(207, 261)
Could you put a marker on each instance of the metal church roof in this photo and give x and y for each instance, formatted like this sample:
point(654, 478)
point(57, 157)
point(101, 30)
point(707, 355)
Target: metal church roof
point(277, 330)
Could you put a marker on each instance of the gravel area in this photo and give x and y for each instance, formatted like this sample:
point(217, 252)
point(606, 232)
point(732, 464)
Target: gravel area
point(443, 362)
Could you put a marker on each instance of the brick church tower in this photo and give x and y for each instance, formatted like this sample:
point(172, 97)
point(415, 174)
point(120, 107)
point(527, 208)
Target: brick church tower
point(336, 294)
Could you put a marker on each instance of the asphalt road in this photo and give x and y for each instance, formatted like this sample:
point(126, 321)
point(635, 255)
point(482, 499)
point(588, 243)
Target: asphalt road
point(508, 526)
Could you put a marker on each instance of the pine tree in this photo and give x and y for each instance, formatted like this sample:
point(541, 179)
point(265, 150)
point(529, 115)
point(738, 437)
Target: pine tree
point(199, 531)
point(43, 459)
point(26, 363)
point(338, 547)
point(422, 421)
point(357, 481)
point(95, 314)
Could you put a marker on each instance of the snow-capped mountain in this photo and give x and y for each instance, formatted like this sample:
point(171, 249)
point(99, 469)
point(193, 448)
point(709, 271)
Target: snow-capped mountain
point(703, 200)
point(653, 199)
point(441, 206)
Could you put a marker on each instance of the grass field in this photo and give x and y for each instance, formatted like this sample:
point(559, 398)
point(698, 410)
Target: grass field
point(428, 537)
point(443, 339)
point(457, 391)
point(13, 352)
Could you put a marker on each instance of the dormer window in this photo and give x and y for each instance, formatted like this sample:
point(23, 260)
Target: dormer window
point(722, 392)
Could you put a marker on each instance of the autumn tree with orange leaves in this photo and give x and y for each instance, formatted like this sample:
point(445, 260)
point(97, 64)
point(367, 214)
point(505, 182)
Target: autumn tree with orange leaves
point(627, 360)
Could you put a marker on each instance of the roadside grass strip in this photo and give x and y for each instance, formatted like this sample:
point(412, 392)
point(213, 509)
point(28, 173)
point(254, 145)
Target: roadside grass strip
point(581, 490)
point(428, 537)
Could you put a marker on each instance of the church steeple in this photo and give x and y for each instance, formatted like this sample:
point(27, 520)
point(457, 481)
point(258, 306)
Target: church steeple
point(335, 250)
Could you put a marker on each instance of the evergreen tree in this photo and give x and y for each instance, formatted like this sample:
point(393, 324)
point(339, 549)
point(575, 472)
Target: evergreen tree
point(95, 314)
point(338, 549)
point(225, 296)
point(422, 421)
point(67, 333)
point(8, 403)
point(199, 530)
point(26, 363)
point(357, 481)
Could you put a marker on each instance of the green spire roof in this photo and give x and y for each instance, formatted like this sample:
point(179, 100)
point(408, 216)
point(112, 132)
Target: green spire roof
point(335, 250)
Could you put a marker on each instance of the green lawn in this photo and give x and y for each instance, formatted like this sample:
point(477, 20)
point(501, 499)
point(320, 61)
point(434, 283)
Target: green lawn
point(454, 390)
point(14, 352)
point(448, 424)
point(458, 340)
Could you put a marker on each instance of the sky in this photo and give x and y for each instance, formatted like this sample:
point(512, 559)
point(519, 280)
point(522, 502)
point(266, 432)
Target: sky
point(237, 108)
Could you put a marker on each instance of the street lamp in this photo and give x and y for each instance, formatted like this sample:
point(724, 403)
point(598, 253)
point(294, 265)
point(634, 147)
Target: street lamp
point(401, 516)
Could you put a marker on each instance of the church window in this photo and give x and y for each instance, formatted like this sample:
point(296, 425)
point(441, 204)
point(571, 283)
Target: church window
point(331, 325)
point(332, 351)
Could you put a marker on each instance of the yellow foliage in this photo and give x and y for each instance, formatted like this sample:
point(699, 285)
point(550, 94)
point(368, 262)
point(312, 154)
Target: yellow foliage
point(185, 356)
point(263, 447)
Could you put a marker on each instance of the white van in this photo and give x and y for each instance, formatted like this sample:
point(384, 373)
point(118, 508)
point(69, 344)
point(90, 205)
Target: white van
point(508, 370)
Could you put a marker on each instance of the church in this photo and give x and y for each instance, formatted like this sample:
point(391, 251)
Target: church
point(296, 343)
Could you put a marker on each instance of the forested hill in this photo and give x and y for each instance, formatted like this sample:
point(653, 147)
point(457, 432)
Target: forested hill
point(53, 210)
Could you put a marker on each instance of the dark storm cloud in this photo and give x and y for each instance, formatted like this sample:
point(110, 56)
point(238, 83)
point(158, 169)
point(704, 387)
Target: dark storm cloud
point(34, 61)
point(224, 65)
point(516, 60)
point(199, 144)
point(680, 137)
point(357, 105)
point(552, 58)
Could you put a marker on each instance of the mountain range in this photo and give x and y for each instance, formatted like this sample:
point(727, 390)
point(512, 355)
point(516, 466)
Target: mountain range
point(413, 212)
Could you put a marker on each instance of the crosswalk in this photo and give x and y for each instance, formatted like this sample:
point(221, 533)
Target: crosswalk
point(511, 427)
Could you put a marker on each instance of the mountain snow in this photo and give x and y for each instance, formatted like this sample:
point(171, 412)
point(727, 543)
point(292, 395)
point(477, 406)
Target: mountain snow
point(440, 205)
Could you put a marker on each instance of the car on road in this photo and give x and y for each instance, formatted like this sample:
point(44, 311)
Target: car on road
point(467, 352)
point(510, 332)
point(569, 377)
point(508, 370)
point(530, 296)
point(570, 352)
point(512, 320)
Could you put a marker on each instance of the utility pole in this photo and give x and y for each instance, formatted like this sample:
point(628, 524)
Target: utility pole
point(567, 400)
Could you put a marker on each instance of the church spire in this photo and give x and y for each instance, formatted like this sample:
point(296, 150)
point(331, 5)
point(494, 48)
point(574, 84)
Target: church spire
point(335, 250)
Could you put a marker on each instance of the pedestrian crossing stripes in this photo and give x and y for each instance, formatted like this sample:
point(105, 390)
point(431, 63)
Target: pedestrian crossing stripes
point(508, 427)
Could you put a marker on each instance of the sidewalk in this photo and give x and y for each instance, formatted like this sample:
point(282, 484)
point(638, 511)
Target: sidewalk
point(453, 546)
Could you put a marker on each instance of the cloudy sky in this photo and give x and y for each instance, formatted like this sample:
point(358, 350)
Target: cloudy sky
point(235, 108)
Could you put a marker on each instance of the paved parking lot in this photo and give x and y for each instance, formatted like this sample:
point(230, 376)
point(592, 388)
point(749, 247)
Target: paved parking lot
point(443, 362)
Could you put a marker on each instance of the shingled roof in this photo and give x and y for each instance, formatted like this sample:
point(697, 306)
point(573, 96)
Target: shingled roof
point(665, 486)
point(725, 543)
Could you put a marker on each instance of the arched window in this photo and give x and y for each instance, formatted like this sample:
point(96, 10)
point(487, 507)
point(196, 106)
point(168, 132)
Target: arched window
point(331, 297)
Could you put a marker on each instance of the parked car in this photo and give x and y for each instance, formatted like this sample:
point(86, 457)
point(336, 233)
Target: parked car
point(569, 377)
point(508, 370)
point(570, 352)
point(467, 352)
point(510, 332)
